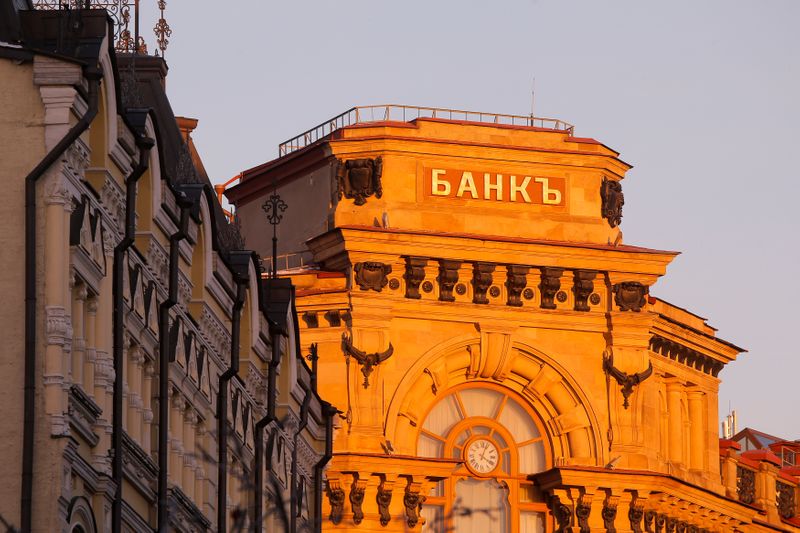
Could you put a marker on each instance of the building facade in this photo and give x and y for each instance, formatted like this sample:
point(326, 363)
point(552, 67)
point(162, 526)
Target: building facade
point(153, 378)
point(491, 342)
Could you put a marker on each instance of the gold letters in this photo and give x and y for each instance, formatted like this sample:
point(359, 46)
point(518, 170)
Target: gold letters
point(522, 189)
point(467, 184)
point(441, 182)
point(436, 183)
point(549, 196)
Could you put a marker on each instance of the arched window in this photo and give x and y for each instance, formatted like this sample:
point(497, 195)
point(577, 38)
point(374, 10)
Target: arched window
point(501, 441)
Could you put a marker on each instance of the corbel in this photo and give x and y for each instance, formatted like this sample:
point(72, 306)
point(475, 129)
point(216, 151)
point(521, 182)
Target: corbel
point(413, 500)
point(336, 499)
point(357, 492)
point(609, 513)
point(384, 498)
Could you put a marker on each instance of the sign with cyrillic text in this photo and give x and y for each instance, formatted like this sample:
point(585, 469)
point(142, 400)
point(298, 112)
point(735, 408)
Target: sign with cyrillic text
point(516, 187)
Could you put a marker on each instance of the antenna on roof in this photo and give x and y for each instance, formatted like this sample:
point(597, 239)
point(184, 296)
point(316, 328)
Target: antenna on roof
point(533, 97)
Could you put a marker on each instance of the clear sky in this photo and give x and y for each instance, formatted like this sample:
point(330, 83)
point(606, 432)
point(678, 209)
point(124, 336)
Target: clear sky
point(703, 98)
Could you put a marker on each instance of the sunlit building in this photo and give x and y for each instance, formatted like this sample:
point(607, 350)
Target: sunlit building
point(493, 345)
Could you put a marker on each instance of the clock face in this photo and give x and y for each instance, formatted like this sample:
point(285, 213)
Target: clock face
point(482, 456)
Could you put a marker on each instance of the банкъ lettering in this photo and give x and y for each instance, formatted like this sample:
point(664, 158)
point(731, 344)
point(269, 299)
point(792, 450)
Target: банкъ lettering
point(495, 186)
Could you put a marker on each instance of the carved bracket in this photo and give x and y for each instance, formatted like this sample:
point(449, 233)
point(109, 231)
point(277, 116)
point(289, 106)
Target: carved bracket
point(384, 500)
point(609, 513)
point(357, 491)
point(582, 287)
point(336, 499)
point(358, 179)
point(635, 515)
point(582, 512)
point(630, 295)
point(516, 279)
point(414, 275)
point(481, 281)
point(447, 278)
point(563, 516)
point(625, 380)
point(372, 275)
point(367, 360)
point(413, 500)
point(613, 200)
point(549, 285)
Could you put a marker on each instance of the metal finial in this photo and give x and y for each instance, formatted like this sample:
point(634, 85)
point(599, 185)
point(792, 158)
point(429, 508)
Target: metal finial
point(274, 208)
point(162, 29)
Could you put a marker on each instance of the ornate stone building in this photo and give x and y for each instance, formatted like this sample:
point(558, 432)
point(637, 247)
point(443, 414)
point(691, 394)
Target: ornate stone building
point(153, 379)
point(500, 361)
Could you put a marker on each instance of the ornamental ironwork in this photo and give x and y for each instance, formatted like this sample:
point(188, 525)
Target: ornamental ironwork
point(746, 485)
point(785, 499)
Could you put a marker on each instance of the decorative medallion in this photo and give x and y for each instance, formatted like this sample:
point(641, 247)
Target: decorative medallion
point(358, 179)
point(583, 285)
point(494, 292)
point(549, 285)
point(561, 297)
point(372, 275)
point(630, 295)
point(625, 380)
point(447, 279)
point(427, 286)
point(613, 200)
point(528, 294)
point(516, 279)
point(368, 361)
point(394, 284)
point(415, 273)
point(481, 281)
point(594, 299)
point(461, 289)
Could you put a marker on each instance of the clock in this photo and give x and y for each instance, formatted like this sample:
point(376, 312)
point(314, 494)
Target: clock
point(482, 456)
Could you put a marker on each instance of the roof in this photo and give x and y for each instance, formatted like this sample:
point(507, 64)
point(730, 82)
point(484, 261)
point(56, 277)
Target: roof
point(763, 440)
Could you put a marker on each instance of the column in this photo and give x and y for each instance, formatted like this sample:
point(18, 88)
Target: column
point(147, 407)
point(78, 332)
point(697, 420)
point(189, 421)
point(134, 369)
point(674, 390)
point(175, 437)
point(200, 474)
point(89, 360)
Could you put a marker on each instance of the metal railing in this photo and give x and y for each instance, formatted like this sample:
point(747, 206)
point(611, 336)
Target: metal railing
point(288, 261)
point(404, 113)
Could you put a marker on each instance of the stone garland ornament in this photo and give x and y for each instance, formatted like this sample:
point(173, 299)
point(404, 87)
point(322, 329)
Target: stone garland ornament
point(481, 281)
point(630, 295)
point(516, 279)
point(583, 286)
point(625, 380)
point(414, 275)
point(447, 279)
point(368, 361)
point(612, 201)
point(358, 179)
point(549, 286)
point(371, 275)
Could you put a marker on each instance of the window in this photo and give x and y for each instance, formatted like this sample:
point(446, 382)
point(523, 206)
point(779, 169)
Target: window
point(500, 441)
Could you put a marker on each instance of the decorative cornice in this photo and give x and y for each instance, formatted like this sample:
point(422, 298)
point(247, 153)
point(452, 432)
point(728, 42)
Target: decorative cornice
point(685, 355)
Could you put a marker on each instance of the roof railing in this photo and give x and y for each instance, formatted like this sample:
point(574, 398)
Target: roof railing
point(405, 113)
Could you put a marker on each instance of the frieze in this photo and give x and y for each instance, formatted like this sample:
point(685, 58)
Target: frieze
point(358, 179)
point(481, 281)
point(612, 201)
point(371, 275)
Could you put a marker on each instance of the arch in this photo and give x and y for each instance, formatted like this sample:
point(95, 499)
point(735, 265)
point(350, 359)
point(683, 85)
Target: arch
point(80, 516)
point(572, 424)
point(202, 265)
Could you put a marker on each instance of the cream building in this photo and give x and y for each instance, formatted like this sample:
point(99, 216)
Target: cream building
point(492, 342)
point(152, 379)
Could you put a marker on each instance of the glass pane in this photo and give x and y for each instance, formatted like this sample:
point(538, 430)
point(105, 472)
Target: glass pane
point(531, 458)
point(462, 437)
point(529, 493)
point(481, 430)
point(443, 416)
point(480, 402)
point(531, 522)
point(481, 506)
point(429, 447)
point(518, 422)
point(437, 489)
point(434, 518)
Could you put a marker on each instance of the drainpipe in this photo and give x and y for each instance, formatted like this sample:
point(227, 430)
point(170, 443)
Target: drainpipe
point(222, 398)
point(93, 75)
point(293, 503)
point(164, 357)
point(118, 321)
point(272, 373)
point(328, 412)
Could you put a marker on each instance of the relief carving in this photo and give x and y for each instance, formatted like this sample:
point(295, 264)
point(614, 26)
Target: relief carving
point(384, 499)
point(367, 360)
point(582, 512)
point(358, 179)
point(635, 515)
point(372, 275)
point(549, 286)
point(613, 200)
point(583, 285)
point(336, 499)
point(563, 516)
point(414, 275)
point(413, 500)
point(630, 295)
point(649, 521)
point(516, 279)
point(609, 514)
point(481, 281)
point(625, 380)
point(447, 278)
point(357, 499)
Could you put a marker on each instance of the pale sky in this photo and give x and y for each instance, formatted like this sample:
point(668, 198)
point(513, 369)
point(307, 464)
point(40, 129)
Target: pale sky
point(703, 98)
